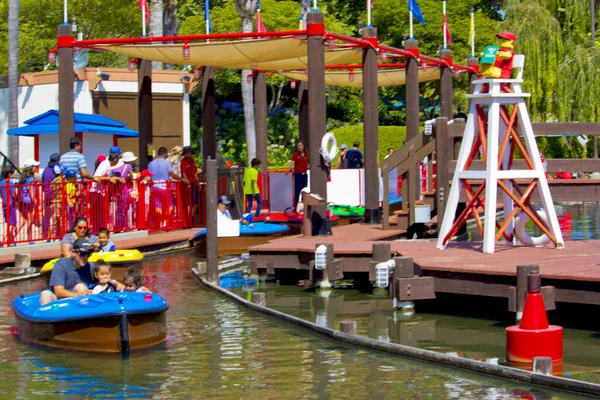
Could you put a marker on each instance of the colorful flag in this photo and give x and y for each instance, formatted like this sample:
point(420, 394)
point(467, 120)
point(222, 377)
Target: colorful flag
point(207, 16)
point(143, 5)
point(445, 27)
point(472, 32)
point(413, 6)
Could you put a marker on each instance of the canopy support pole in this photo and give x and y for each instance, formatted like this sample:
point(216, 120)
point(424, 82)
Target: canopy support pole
point(412, 120)
point(317, 121)
point(66, 116)
point(209, 134)
point(446, 86)
point(260, 116)
point(145, 112)
point(371, 128)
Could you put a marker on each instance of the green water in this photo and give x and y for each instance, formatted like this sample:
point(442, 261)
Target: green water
point(474, 338)
point(215, 349)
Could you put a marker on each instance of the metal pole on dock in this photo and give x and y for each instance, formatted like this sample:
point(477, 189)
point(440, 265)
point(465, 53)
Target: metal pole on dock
point(145, 112)
point(212, 240)
point(209, 138)
point(66, 116)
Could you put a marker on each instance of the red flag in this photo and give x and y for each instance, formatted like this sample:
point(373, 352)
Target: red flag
point(445, 26)
point(370, 3)
point(260, 27)
point(143, 4)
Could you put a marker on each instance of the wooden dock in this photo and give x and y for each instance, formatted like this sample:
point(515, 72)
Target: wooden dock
point(462, 268)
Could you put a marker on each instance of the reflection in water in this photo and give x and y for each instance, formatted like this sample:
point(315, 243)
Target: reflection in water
point(216, 349)
point(466, 337)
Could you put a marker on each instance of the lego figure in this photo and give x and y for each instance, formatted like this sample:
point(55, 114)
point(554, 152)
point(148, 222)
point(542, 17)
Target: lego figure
point(502, 67)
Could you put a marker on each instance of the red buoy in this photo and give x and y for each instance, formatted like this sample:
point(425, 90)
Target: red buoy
point(534, 337)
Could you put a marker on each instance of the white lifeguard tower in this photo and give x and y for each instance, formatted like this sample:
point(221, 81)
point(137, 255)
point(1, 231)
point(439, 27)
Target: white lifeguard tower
point(497, 124)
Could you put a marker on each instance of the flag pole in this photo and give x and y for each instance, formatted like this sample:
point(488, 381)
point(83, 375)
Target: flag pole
point(369, 14)
point(65, 13)
point(444, 28)
point(410, 13)
point(143, 19)
point(472, 32)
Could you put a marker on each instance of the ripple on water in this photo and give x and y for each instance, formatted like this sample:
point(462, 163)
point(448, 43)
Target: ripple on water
point(216, 349)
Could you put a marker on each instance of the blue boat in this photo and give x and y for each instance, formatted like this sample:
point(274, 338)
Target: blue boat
point(105, 322)
point(255, 229)
point(249, 235)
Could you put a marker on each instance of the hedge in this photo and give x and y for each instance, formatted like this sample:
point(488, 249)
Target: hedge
point(389, 137)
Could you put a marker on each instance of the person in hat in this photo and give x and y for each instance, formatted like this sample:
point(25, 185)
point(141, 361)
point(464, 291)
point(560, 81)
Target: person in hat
point(28, 194)
point(48, 176)
point(189, 170)
point(74, 160)
point(70, 276)
point(126, 168)
point(175, 159)
point(222, 211)
point(8, 194)
point(342, 157)
point(99, 159)
point(502, 67)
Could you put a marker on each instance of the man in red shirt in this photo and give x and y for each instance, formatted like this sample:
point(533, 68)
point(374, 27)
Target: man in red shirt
point(299, 163)
point(189, 173)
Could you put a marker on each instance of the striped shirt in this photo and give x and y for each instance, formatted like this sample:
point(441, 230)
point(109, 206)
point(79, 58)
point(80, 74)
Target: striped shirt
point(74, 161)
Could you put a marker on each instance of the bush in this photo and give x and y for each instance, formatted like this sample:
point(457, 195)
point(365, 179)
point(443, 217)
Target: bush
point(389, 136)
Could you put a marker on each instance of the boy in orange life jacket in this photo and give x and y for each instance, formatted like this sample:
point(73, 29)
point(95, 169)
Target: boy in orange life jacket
point(502, 67)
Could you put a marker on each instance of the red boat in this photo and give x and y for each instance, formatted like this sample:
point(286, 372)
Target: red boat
point(291, 218)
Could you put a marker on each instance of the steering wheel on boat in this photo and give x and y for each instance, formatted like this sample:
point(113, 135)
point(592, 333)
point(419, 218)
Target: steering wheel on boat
point(107, 290)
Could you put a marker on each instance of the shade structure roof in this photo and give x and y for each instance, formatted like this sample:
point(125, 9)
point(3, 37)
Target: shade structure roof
point(286, 53)
point(385, 77)
point(47, 124)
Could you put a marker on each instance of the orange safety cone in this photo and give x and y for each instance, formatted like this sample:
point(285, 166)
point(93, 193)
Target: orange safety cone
point(534, 337)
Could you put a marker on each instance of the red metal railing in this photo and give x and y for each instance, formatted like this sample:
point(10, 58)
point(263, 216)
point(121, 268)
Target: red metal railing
point(46, 211)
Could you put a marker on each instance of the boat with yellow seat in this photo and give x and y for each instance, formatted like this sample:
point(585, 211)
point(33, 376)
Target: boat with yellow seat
point(118, 259)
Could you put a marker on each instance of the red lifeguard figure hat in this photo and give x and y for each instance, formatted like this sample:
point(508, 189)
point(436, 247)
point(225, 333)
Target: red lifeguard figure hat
point(507, 35)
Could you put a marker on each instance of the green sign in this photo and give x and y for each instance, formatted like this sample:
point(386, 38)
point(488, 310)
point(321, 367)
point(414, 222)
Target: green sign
point(489, 55)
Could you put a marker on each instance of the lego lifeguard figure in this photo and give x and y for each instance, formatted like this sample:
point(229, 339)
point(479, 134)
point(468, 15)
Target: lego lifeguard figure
point(502, 67)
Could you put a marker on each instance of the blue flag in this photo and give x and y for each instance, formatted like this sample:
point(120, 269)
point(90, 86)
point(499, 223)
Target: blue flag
point(416, 10)
point(207, 16)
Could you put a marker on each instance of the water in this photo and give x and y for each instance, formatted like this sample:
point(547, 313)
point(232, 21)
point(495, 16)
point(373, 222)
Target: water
point(216, 349)
point(474, 338)
point(578, 221)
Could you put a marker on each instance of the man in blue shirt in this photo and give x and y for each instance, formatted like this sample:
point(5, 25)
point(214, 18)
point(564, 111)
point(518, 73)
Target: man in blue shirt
point(74, 160)
point(70, 276)
point(161, 168)
point(354, 157)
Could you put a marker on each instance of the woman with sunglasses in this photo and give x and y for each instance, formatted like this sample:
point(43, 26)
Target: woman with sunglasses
point(78, 231)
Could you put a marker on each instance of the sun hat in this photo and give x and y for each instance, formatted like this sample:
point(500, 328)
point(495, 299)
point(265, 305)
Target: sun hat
point(30, 162)
point(54, 159)
point(100, 158)
point(145, 173)
point(344, 146)
point(128, 156)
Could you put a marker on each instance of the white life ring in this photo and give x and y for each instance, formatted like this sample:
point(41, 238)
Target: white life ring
point(522, 234)
point(328, 154)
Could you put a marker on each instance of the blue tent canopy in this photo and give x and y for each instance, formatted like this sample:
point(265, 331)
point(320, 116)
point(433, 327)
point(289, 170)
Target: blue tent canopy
point(47, 124)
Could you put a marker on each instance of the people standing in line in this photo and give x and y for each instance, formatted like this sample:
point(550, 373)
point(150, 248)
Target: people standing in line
point(28, 195)
point(189, 174)
point(299, 164)
point(251, 189)
point(74, 160)
point(342, 158)
point(354, 157)
point(126, 168)
point(175, 159)
point(48, 176)
point(7, 194)
point(161, 168)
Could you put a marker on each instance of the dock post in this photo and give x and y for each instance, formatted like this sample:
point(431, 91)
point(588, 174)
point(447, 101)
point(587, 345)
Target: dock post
point(258, 299)
point(542, 365)
point(22, 262)
point(212, 240)
point(522, 272)
point(348, 327)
